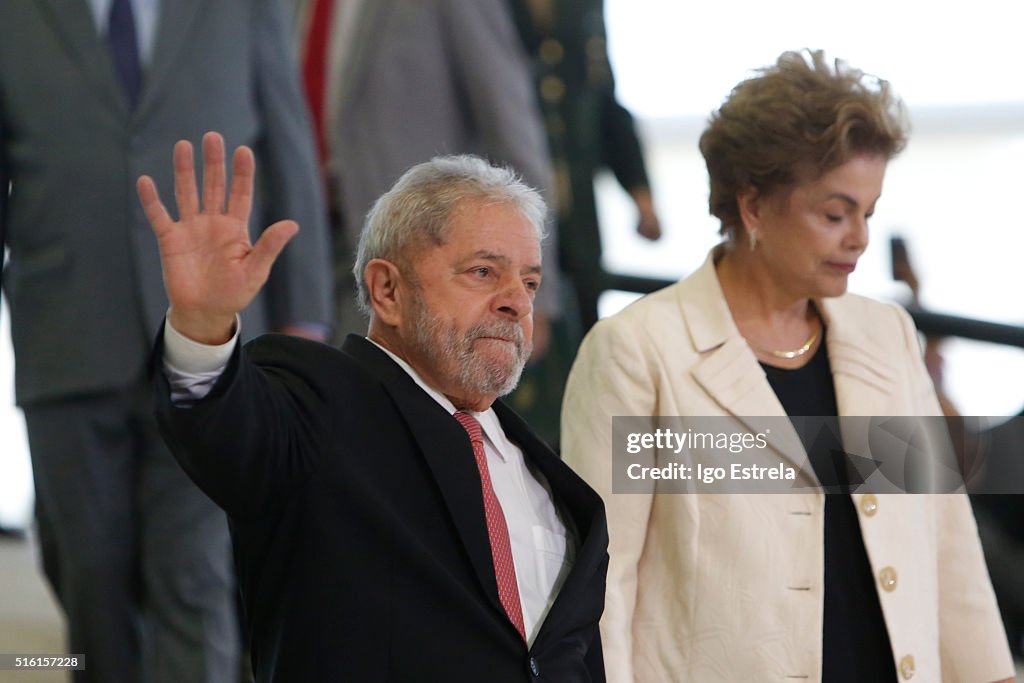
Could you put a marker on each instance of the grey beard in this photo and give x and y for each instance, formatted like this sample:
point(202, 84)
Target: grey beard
point(470, 370)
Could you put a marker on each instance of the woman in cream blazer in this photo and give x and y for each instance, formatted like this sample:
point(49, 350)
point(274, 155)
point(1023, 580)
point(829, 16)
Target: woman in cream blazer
point(730, 587)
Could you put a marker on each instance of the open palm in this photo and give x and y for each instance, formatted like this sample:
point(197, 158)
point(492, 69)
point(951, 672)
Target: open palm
point(211, 268)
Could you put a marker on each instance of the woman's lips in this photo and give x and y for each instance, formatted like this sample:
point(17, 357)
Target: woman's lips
point(844, 267)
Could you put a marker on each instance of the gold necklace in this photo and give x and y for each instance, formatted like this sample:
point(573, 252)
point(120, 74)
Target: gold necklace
point(796, 353)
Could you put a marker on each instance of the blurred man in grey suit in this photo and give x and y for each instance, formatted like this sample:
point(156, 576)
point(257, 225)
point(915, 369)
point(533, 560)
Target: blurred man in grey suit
point(94, 93)
point(397, 82)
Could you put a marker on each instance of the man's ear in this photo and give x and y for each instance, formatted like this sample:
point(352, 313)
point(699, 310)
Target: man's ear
point(386, 288)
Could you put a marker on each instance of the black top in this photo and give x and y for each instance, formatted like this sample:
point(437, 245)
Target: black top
point(856, 642)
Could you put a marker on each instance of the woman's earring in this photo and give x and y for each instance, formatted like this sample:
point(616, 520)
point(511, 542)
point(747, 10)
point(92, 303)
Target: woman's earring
point(752, 236)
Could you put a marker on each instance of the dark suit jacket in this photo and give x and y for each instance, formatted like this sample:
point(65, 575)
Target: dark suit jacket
point(83, 258)
point(359, 526)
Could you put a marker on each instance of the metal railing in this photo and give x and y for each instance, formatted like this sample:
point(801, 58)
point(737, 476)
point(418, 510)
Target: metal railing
point(928, 322)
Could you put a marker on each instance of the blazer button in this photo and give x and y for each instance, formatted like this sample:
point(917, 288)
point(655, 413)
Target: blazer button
point(534, 669)
point(552, 89)
point(868, 505)
point(887, 577)
point(551, 52)
point(907, 667)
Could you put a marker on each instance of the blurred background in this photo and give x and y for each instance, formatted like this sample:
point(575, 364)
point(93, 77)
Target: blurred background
point(953, 196)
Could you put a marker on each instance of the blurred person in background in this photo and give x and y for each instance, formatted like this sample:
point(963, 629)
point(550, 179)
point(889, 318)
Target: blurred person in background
point(730, 587)
point(92, 94)
point(588, 131)
point(392, 83)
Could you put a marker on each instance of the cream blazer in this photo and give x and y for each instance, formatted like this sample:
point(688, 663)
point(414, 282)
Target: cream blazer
point(711, 588)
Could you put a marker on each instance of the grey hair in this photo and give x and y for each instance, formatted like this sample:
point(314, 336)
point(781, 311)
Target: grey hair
point(419, 207)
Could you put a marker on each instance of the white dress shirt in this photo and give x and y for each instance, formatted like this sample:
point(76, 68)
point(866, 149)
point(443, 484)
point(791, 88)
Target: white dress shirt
point(541, 549)
point(145, 13)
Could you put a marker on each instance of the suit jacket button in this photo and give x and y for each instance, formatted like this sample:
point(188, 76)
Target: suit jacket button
point(907, 667)
point(869, 505)
point(552, 89)
point(534, 669)
point(887, 577)
point(551, 52)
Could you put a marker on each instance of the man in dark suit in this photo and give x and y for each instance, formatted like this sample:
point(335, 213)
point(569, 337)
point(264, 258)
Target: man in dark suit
point(392, 521)
point(93, 93)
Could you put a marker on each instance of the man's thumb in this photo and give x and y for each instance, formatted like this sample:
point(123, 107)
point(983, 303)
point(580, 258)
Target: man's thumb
point(269, 246)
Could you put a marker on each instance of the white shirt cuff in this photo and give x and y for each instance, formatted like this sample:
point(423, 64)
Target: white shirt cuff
point(193, 368)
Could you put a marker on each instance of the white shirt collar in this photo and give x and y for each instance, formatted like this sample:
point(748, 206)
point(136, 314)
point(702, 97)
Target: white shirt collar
point(488, 419)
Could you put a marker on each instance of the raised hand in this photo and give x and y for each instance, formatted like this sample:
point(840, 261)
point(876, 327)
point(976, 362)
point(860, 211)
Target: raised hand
point(211, 268)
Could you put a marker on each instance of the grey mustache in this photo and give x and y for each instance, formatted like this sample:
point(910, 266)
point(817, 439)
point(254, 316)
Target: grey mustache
point(503, 330)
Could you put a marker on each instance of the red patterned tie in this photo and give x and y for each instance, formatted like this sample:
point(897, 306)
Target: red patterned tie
point(314, 68)
point(501, 548)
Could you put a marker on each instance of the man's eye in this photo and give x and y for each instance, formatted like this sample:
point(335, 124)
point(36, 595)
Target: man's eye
point(532, 285)
point(832, 218)
point(482, 271)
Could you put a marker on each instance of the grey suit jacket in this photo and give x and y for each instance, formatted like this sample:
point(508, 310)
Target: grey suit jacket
point(84, 279)
point(429, 77)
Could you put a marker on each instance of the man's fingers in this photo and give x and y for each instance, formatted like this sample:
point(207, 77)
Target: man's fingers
point(269, 245)
point(242, 171)
point(156, 213)
point(185, 193)
point(214, 173)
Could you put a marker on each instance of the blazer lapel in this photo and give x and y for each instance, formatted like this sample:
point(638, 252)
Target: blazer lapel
point(728, 370)
point(863, 375)
point(73, 22)
point(448, 452)
point(583, 510)
point(173, 27)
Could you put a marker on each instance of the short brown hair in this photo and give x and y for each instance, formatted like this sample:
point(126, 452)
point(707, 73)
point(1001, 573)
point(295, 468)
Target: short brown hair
point(793, 122)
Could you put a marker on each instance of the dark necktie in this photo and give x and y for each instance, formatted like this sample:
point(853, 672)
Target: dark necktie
point(124, 49)
point(501, 547)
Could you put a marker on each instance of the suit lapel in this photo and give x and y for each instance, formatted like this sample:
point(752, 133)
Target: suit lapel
point(173, 27)
point(583, 510)
point(448, 453)
point(728, 370)
point(73, 21)
point(863, 375)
